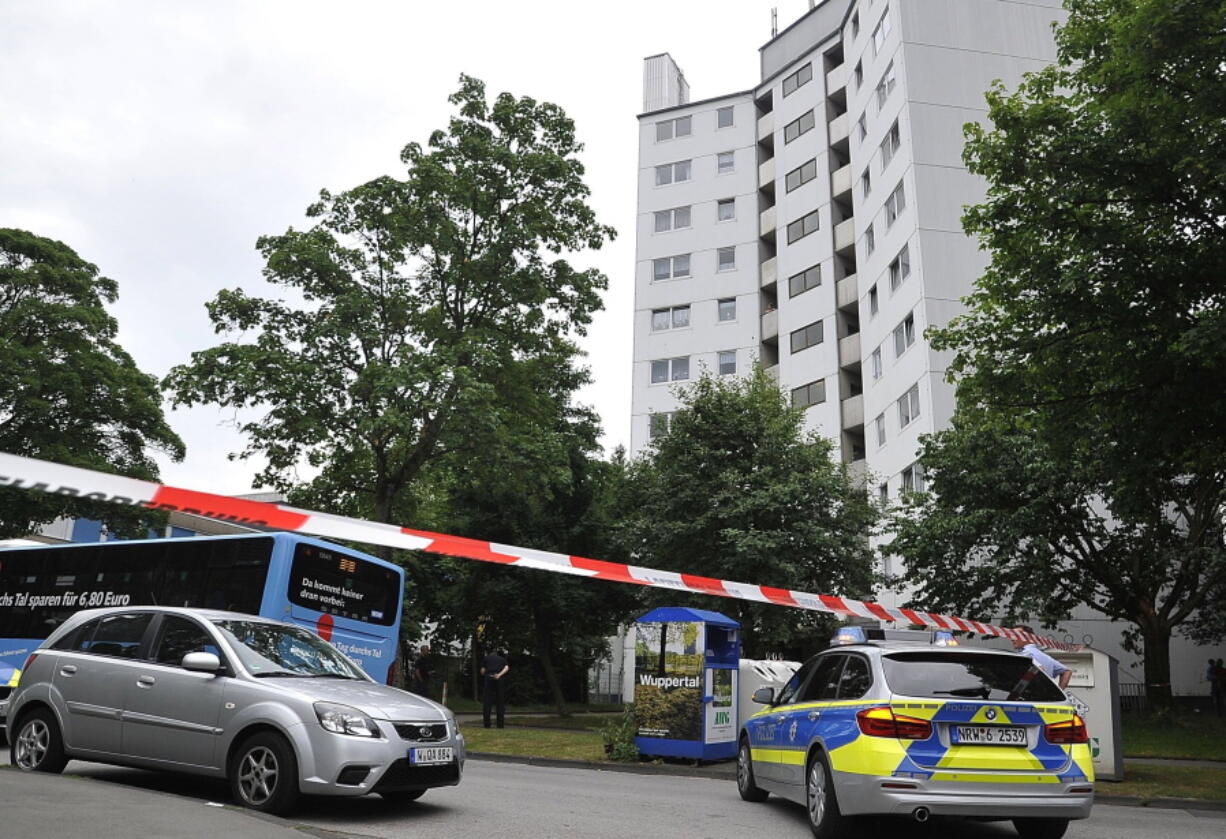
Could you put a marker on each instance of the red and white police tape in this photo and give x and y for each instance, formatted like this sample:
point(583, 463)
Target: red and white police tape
point(41, 476)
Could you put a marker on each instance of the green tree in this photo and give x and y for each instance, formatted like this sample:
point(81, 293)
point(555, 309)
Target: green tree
point(68, 392)
point(429, 305)
point(1087, 461)
point(737, 490)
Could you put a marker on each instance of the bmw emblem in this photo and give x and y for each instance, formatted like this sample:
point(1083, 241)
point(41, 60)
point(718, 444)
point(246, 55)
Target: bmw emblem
point(991, 714)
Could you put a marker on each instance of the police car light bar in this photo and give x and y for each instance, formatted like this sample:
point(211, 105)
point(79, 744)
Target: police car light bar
point(849, 635)
point(944, 638)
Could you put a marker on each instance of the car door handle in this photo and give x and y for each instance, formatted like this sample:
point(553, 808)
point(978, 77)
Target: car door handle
point(68, 669)
point(781, 717)
point(145, 681)
point(813, 715)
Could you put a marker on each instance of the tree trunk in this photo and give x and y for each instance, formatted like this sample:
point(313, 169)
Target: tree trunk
point(1157, 665)
point(544, 652)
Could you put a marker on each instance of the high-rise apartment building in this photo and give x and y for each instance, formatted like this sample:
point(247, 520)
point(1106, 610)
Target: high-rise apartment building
point(812, 223)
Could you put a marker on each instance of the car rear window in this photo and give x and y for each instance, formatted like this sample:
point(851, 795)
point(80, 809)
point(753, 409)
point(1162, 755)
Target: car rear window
point(944, 674)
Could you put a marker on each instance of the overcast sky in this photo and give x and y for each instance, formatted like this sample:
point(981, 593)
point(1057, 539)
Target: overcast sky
point(160, 139)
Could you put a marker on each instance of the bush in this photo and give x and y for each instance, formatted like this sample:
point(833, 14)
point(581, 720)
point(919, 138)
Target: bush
point(618, 736)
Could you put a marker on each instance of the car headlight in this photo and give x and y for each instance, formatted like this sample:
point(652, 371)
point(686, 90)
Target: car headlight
point(342, 719)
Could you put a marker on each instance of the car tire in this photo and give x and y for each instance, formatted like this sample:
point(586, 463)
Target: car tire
point(745, 785)
point(821, 803)
point(263, 774)
point(405, 796)
point(1040, 828)
point(38, 745)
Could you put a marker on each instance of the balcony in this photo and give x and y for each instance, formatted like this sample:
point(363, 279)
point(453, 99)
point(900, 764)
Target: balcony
point(766, 222)
point(766, 173)
point(766, 126)
point(770, 325)
point(839, 130)
point(849, 351)
point(847, 292)
point(836, 79)
point(853, 412)
point(773, 372)
point(770, 272)
point(857, 471)
point(845, 236)
point(840, 182)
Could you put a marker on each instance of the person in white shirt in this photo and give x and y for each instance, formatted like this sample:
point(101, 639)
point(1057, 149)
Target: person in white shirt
point(1056, 671)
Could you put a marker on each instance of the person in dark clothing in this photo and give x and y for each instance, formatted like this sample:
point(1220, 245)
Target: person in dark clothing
point(422, 669)
point(493, 668)
point(1218, 687)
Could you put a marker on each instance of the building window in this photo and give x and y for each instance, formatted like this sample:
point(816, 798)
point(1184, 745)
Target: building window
point(855, 24)
point(908, 406)
point(670, 370)
point(676, 317)
point(872, 301)
point(671, 267)
point(890, 145)
point(801, 125)
point(859, 74)
point(802, 174)
point(870, 240)
point(725, 209)
point(802, 227)
point(883, 494)
point(727, 362)
point(798, 79)
point(670, 128)
point(805, 280)
point(657, 424)
point(673, 173)
point(673, 219)
point(723, 117)
point(725, 259)
point(881, 32)
point(913, 478)
point(814, 393)
point(894, 205)
point(904, 335)
point(725, 162)
point(727, 309)
point(807, 336)
point(862, 128)
point(886, 86)
point(875, 363)
point(880, 430)
point(900, 268)
point(866, 183)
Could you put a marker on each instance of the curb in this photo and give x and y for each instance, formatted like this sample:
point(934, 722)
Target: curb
point(727, 772)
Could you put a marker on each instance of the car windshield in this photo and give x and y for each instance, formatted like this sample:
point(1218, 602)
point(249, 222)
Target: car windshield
point(1000, 677)
point(275, 649)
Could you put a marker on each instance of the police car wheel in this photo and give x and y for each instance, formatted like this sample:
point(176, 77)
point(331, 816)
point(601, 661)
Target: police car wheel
point(264, 774)
point(38, 745)
point(745, 785)
point(825, 820)
point(1040, 828)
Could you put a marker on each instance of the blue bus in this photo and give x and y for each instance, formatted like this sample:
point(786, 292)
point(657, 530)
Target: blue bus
point(346, 597)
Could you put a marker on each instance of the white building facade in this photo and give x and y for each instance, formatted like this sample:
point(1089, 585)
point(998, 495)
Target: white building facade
point(813, 224)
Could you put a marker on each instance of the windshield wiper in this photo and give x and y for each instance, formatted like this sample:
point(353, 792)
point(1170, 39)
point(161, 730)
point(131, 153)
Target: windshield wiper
point(334, 676)
point(290, 673)
point(982, 692)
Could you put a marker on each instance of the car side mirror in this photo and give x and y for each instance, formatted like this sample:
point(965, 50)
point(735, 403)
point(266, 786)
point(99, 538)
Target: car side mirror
point(764, 696)
point(201, 662)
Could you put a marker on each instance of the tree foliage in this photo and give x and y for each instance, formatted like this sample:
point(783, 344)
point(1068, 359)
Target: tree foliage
point(737, 490)
point(68, 392)
point(428, 309)
point(1087, 460)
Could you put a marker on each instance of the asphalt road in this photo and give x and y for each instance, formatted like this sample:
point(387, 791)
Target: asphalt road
point(526, 802)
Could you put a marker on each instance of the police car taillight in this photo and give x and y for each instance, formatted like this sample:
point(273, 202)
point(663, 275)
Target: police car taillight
point(883, 722)
point(1067, 732)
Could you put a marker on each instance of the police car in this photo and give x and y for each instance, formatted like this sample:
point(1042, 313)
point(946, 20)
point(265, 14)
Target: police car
point(898, 727)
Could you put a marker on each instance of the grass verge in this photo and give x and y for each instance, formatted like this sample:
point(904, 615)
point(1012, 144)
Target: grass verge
point(534, 742)
point(1168, 782)
point(1189, 736)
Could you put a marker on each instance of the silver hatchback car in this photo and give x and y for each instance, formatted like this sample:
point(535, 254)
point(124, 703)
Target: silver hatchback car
point(267, 705)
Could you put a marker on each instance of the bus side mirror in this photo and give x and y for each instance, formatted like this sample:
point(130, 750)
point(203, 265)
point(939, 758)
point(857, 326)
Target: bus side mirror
point(764, 696)
point(201, 663)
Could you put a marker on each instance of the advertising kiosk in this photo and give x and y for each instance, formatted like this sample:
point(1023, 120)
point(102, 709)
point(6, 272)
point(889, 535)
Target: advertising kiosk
point(685, 683)
point(1095, 689)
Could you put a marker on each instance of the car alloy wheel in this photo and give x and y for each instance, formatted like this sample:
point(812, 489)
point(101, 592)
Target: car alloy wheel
point(258, 773)
point(817, 794)
point(30, 749)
